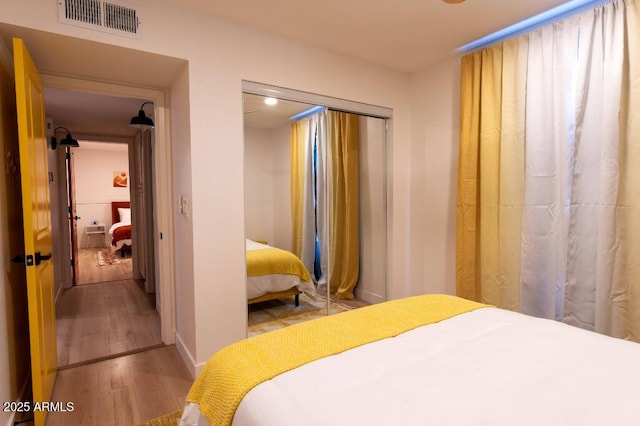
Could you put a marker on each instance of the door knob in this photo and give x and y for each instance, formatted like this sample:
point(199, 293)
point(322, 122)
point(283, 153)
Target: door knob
point(28, 261)
point(77, 218)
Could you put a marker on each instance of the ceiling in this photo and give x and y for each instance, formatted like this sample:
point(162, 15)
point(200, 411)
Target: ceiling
point(259, 115)
point(407, 36)
point(87, 115)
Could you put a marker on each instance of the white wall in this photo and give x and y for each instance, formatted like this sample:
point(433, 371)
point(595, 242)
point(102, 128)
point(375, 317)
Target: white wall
point(435, 121)
point(94, 165)
point(220, 56)
point(183, 231)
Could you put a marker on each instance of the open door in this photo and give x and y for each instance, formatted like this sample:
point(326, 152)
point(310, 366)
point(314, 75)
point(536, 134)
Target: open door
point(73, 214)
point(32, 136)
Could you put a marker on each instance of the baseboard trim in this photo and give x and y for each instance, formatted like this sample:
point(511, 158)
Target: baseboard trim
point(369, 297)
point(190, 363)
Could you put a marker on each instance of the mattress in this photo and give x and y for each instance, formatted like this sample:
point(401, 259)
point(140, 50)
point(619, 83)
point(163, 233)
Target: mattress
point(484, 367)
point(259, 285)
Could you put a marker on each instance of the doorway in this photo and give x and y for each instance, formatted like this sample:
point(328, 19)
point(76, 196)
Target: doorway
point(99, 176)
point(110, 308)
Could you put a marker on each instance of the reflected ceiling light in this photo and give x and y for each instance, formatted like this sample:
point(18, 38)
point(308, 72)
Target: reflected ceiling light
point(68, 141)
point(141, 121)
point(453, 1)
point(270, 101)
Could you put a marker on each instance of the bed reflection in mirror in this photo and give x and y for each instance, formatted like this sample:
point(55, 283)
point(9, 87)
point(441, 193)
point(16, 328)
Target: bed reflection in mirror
point(315, 211)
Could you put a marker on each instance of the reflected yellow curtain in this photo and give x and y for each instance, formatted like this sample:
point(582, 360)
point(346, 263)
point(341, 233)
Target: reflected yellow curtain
point(298, 135)
point(344, 239)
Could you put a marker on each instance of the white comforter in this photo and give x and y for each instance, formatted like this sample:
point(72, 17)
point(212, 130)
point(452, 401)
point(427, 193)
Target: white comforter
point(260, 285)
point(486, 367)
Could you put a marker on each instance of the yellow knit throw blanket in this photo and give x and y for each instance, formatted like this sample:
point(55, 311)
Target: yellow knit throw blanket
point(275, 261)
point(233, 371)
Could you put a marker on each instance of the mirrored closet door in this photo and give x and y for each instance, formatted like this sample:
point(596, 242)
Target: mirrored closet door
point(315, 209)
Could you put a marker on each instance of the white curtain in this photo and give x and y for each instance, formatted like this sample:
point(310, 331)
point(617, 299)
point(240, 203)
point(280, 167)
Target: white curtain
point(596, 270)
point(573, 205)
point(548, 163)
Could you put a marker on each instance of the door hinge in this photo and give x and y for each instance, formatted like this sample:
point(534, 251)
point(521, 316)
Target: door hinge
point(70, 210)
point(67, 155)
point(72, 262)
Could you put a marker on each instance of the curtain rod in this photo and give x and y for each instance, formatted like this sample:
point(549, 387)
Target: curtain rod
point(545, 18)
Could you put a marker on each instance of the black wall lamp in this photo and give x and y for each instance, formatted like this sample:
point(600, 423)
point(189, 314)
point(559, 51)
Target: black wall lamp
point(67, 141)
point(141, 121)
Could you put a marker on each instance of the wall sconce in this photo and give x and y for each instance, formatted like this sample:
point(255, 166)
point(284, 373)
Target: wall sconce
point(68, 141)
point(141, 121)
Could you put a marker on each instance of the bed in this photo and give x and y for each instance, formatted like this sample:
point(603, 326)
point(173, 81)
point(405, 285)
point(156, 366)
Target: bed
point(120, 230)
point(425, 360)
point(273, 273)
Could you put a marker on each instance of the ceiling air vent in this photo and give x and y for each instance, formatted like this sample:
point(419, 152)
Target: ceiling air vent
point(110, 16)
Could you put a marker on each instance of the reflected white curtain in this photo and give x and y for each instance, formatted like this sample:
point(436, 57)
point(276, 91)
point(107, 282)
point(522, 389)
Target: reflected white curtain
point(322, 194)
point(309, 192)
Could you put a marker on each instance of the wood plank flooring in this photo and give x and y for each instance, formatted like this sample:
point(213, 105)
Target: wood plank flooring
point(123, 391)
point(99, 320)
point(114, 368)
point(89, 272)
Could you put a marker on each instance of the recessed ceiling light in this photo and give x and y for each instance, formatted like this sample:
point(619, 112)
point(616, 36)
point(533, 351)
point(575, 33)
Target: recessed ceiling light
point(453, 1)
point(270, 101)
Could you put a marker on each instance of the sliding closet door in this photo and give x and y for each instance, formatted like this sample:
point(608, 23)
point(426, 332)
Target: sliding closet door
point(269, 176)
point(373, 211)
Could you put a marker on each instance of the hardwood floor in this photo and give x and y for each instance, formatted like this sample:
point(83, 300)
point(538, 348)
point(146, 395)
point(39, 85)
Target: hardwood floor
point(122, 391)
point(114, 369)
point(101, 320)
point(89, 272)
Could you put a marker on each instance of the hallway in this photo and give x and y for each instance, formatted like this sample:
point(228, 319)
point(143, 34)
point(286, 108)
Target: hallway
point(102, 320)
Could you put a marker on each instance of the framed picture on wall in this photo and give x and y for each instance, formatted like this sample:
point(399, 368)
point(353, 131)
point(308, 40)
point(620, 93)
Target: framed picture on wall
point(120, 179)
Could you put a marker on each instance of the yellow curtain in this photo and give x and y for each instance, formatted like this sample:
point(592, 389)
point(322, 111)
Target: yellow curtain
point(344, 239)
point(626, 316)
point(299, 131)
point(488, 183)
point(467, 256)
